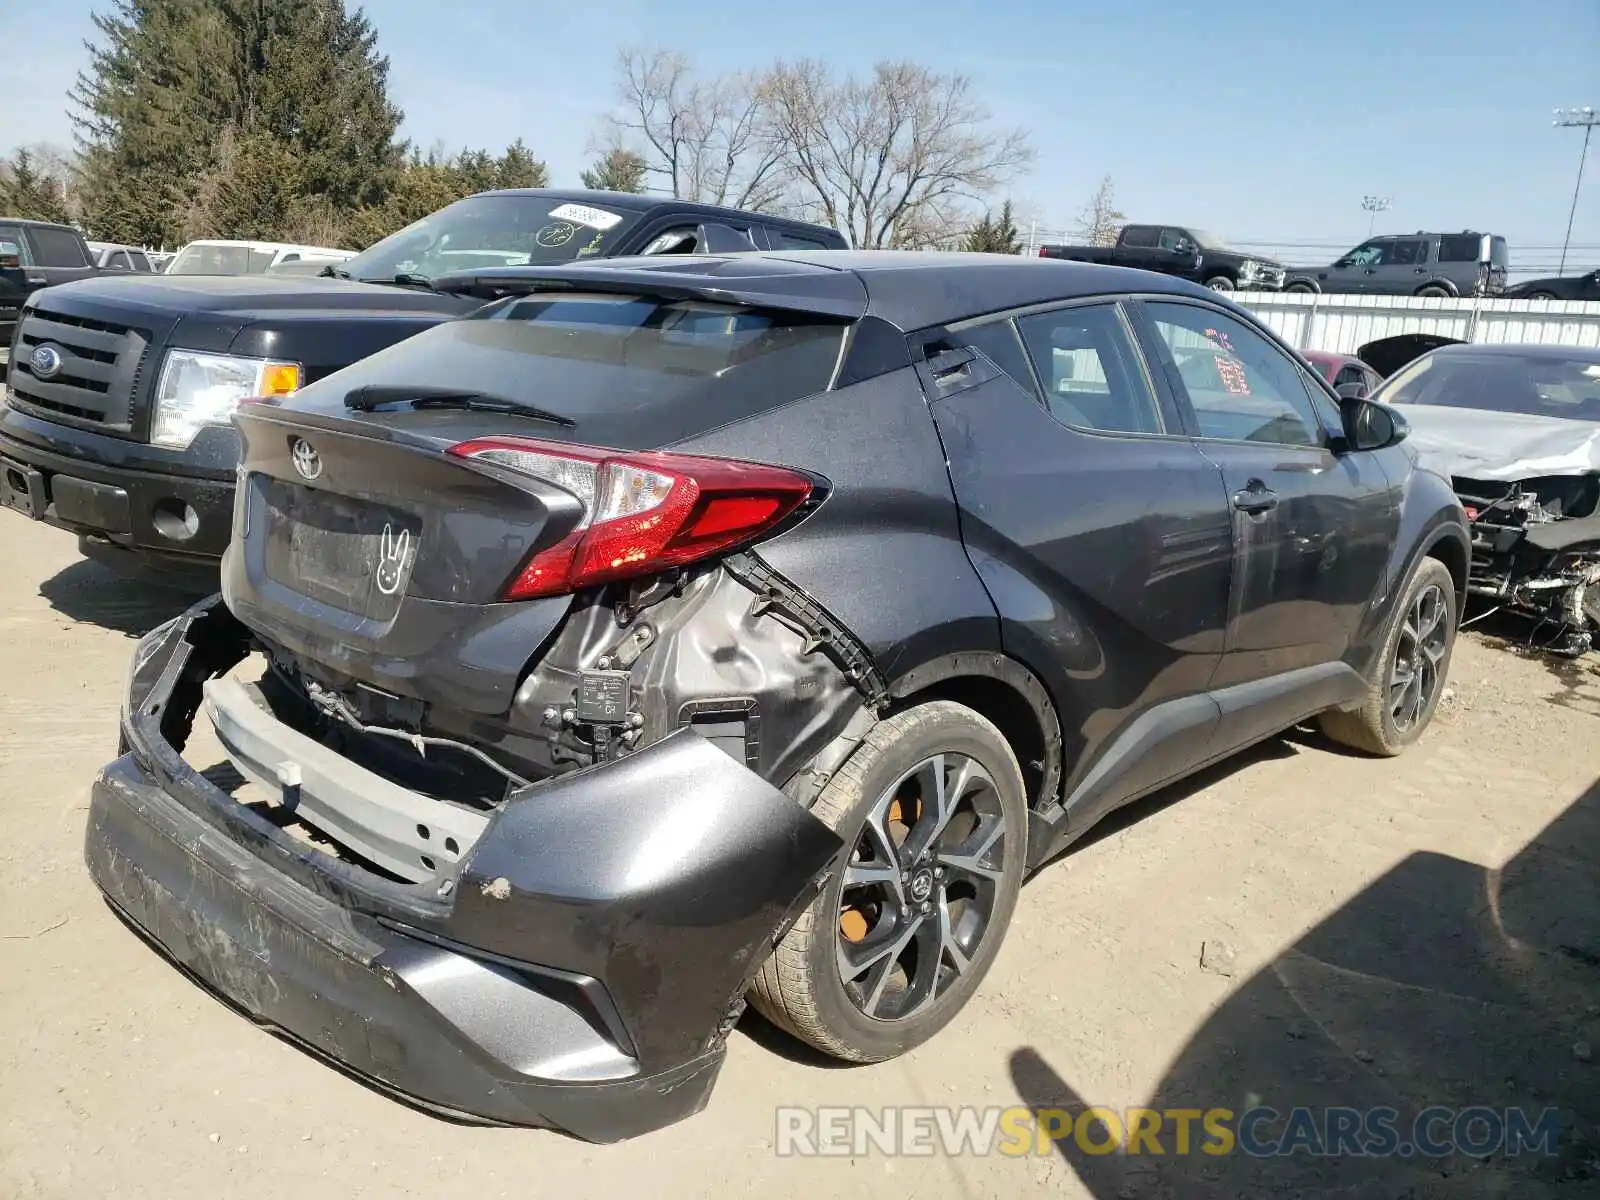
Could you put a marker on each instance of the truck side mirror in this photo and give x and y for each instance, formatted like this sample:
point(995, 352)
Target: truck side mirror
point(10, 255)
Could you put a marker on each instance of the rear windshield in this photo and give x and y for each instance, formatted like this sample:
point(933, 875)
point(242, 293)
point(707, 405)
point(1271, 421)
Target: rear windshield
point(632, 372)
point(220, 260)
point(1534, 385)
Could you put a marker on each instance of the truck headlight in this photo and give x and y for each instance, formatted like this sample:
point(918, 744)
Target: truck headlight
point(1249, 269)
point(196, 390)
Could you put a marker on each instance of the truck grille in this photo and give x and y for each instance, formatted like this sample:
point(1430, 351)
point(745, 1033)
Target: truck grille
point(98, 365)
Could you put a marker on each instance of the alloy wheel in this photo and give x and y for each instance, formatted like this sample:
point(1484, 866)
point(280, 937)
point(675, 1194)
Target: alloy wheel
point(920, 888)
point(1415, 675)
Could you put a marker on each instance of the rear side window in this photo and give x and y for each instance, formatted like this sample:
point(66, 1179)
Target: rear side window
point(1091, 372)
point(999, 343)
point(1459, 248)
point(57, 248)
point(1140, 236)
point(782, 239)
point(628, 371)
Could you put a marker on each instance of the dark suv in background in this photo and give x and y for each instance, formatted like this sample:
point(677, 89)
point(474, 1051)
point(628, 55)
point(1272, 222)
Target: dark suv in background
point(115, 424)
point(1413, 264)
point(33, 255)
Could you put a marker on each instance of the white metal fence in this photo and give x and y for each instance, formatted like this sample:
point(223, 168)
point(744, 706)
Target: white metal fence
point(1343, 324)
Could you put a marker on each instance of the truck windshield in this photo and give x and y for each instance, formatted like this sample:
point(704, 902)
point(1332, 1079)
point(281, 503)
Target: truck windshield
point(494, 231)
point(200, 259)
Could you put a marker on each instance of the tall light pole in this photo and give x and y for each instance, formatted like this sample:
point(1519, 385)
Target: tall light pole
point(1583, 118)
point(1372, 206)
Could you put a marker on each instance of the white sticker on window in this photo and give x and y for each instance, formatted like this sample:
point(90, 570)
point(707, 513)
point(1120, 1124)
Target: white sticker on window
point(594, 218)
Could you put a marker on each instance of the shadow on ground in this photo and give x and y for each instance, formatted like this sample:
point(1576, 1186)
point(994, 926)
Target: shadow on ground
point(87, 591)
point(1443, 983)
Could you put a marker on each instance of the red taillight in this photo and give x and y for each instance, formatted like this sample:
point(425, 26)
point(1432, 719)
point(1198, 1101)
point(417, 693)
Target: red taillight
point(643, 512)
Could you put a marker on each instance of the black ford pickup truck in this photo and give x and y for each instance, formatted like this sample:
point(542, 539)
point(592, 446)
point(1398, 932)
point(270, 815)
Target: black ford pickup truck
point(116, 422)
point(1183, 251)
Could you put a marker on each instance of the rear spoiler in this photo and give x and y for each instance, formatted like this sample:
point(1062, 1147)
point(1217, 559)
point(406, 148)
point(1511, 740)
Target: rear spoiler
point(744, 279)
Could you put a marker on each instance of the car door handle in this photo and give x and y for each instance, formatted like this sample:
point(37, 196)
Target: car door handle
point(1255, 499)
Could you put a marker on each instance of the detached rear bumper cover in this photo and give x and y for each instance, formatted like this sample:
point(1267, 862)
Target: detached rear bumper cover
point(578, 970)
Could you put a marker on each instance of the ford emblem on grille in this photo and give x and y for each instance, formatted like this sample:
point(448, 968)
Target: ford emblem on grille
point(45, 362)
point(306, 460)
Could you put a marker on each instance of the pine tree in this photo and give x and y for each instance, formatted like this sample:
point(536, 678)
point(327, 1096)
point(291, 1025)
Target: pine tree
point(518, 168)
point(618, 170)
point(296, 80)
point(32, 194)
point(995, 235)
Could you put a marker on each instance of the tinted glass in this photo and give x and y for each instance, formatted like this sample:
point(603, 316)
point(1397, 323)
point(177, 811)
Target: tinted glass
point(999, 343)
point(1538, 385)
point(782, 239)
point(1403, 254)
point(1171, 239)
point(1091, 372)
point(1241, 386)
point(57, 248)
point(1140, 236)
point(495, 231)
point(629, 371)
point(200, 259)
point(1459, 247)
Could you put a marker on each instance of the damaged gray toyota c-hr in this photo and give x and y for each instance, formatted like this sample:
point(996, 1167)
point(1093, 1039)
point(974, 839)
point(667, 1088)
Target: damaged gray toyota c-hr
point(677, 631)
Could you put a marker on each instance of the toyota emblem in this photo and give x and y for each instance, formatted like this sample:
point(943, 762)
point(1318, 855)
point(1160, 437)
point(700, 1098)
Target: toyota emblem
point(306, 460)
point(45, 362)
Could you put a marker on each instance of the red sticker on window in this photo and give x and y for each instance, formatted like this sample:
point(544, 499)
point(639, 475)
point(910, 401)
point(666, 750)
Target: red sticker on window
point(1232, 373)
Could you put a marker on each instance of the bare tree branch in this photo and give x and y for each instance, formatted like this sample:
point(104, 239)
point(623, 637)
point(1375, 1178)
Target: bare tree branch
point(1099, 219)
point(895, 160)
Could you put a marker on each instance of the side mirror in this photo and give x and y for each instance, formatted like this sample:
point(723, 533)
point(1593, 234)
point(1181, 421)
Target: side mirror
point(1369, 425)
point(10, 255)
point(1352, 391)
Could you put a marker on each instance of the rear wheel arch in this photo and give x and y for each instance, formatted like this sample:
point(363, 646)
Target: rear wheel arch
point(1455, 556)
point(1436, 287)
point(1007, 694)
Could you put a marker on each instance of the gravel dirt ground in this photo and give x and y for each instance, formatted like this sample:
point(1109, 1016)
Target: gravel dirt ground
point(1411, 932)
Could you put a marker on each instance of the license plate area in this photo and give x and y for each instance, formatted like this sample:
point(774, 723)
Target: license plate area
point(347, 553)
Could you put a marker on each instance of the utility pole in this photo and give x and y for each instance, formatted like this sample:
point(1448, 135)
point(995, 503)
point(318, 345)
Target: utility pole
point(1372, 206)
point(1585, 119)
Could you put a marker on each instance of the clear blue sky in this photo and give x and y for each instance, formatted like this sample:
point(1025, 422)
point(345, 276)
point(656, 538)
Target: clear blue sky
point(1261, 122)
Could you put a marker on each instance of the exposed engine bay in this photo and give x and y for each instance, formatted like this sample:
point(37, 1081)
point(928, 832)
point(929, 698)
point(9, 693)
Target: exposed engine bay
point(1536, 550)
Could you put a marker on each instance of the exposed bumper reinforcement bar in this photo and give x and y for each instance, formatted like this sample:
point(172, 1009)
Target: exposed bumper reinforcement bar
point(578, 971)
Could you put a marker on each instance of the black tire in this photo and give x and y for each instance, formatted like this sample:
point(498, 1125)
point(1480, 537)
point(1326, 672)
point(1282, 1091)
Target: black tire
point(1434, 289)
point(1220, 283)
point(1374, 727)
point(1301, 289)
point(801, 988)
point(1539, 296)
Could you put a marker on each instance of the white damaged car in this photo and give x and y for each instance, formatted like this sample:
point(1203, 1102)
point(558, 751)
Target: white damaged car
point(1517, 430)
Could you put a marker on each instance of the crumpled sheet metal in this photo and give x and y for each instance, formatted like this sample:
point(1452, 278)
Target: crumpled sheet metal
point(1477, 444)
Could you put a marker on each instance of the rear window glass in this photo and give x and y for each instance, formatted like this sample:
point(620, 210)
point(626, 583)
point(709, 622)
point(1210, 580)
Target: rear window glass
point(1539, 385)
point(1140, 235)
point(630, 371)
point(221, 260)
point(57, 248)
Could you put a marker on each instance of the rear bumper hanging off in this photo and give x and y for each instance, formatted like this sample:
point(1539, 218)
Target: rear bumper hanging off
point(578, 968)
